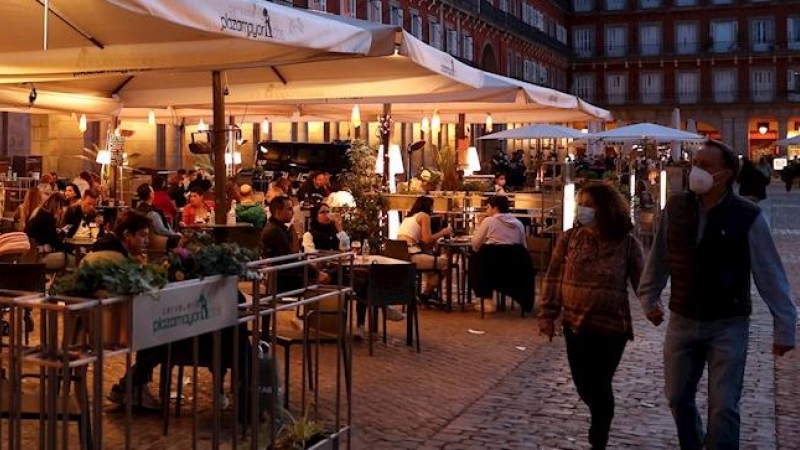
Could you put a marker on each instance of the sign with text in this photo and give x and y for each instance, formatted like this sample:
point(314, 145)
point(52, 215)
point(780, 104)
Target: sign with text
point(183, 310)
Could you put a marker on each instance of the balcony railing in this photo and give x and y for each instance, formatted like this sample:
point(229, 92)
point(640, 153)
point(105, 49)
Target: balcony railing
point(685, 49)
point(689, 99)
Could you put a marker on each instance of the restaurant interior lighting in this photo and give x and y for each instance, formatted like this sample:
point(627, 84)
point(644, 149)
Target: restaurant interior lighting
point(633, 184)
point(585, 130)
point(355, 116)
point(395, 166)
point(763, 127)
point(379, 161)
point(151, 118)
point(234, 158)
point(82, 123)
point(265, 127)
point(201, 126)
point(663, 197)
point(569, 206)
point(489, 123)
point(436, 122)
point(473, 161)
point(425, 126)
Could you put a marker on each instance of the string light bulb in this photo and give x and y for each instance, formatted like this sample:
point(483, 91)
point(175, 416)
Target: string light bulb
point(201, 126)
point(489, 123)
point(151, 118)
point(265, 126)
point(355, 116)
point(425, 126)
point(436, 122)
point(82, 123)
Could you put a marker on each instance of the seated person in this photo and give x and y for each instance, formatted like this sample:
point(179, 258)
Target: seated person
point(81, 218)
point(198, 210)
point(325, 231)
point(130, 240)
point(499, 186)
point(43, 229)
point(162, 201)
point(73, 194)
point(498, 227)
point(159, 223)
point(314, 190)
point(416, 230)
point(250, 211)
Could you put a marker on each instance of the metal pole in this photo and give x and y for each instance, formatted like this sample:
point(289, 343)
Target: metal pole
point(219, 146)
point(386, 137)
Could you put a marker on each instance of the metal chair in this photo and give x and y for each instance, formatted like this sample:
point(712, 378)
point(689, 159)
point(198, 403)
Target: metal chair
point(398, 249)
point(392, 284)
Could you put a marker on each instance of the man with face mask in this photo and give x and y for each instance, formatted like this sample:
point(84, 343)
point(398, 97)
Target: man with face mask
point(709, 242)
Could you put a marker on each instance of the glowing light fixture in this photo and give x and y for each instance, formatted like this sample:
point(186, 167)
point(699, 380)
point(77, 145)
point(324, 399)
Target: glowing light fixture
point(379, 161)
point(265, 126)
point(473, 161)
point(425, 126)
point(569, 206)
point(151, 118)
point(585, 130)
point(103, 157)
point(633, 184)
point(201, 126)
point(763, 127)
point(436, 122)
point(234, 158)
point(395, 166)
point(355, 116)
point(489, 123)
point(663, 197)
point(82, 123)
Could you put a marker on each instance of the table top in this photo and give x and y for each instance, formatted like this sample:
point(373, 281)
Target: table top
point(461, 241)
point(365, 260)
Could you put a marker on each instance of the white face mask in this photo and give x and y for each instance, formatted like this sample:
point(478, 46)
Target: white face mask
point(586, 215)
point(700, 180)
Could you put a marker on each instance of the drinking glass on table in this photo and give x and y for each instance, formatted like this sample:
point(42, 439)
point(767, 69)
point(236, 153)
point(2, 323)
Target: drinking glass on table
point(355, 246)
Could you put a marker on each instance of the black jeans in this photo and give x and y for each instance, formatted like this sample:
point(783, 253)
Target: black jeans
point(593, 359)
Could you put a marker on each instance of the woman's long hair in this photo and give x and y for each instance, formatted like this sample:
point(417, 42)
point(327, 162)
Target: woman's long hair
point(33, 199)
point(612, 214)
point(55, 203)
point(315, 224)
point(422, 204)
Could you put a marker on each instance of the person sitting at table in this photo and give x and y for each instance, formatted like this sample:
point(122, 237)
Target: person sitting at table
point(33, 199)
point(159, 224)
point(73, 194)
point(325, 231)
point(162, 200)
point(130, 239)
point(43, 229)
point(198, 210)
point(278, 239)
point(177, 191)
point(249, 210)
point(498, 227)
point(499, 186)
point(416, 230)
point(314, 190)
point(81, 218)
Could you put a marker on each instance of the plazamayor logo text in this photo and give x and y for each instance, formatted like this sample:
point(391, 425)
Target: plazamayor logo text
point(250, 27)
point(184, 315)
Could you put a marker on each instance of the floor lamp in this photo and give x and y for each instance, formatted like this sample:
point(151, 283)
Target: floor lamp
point(418, 145)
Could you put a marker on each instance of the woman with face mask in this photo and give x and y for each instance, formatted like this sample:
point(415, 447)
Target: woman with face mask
point(587, 285)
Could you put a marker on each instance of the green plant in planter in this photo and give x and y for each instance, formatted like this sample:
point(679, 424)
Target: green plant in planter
point(124, 277)
point(446, 162)
point(474, 186)
point(364, 221)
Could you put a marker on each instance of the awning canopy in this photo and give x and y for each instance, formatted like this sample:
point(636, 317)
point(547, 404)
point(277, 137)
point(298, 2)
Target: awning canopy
point(789, 141)
point(646, 131)
point(537, 131)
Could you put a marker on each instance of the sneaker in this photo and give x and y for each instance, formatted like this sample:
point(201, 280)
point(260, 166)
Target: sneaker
point(117, 395)
point(394, 315)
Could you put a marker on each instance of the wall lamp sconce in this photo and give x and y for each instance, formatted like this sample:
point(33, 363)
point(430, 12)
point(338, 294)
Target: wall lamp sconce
point(763, 127)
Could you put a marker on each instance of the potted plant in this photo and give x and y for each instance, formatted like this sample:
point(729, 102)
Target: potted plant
point(364, 222)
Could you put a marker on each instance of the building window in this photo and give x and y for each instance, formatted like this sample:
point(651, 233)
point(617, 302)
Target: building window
point(616, 40)
point(416, 25)
point(582, 5)
point(452, 41)
point(648, 4)
point(347, 8)
point(435, 34)
point(651, 86)
point(762, 85)
point(793, 84)
point(510, 64)
point(561, 34)
point(724, 82)
point(583, 42)
point(502, 5)
point(686, 38)
point(318, 5)
point(519, 69)
point(724, 34)
point(685, 2)
point(650, 39)
point(583, 86)
point(687, 87)
point(793, 32)
point(762, 34)
point(396, 15)
point(375, 10)
point(616, 88)
point(528, 72)
point(615, 5)
point(722, 2)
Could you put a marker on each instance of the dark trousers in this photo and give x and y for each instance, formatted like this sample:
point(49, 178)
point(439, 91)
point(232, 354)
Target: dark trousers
point(593, 359)
point(146, 361)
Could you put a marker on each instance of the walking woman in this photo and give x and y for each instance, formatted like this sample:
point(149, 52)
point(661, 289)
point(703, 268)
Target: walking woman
point(587, 284)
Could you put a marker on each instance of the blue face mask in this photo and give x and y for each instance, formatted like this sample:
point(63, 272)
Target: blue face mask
point(585, 215)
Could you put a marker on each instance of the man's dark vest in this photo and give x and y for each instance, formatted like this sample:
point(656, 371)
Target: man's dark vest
point(710, 279)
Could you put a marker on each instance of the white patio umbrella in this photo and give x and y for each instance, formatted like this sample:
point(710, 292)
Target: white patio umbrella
point(646, 131)
point(789, 141)
point(537, 131)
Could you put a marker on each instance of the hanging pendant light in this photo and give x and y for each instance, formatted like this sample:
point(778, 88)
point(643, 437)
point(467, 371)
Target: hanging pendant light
point(82, 123)
point(151, 118)
point(489, 123)
point(265, 126)
point(201, 126)
point(425, 126)
point(436, 122)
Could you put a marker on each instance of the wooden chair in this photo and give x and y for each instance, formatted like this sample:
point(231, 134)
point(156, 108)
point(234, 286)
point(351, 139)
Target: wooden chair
point(29, 277)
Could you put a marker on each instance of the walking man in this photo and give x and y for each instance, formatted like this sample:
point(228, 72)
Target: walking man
point(708, 243)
